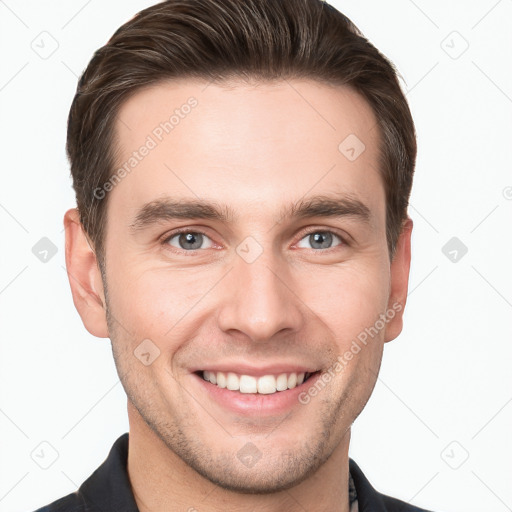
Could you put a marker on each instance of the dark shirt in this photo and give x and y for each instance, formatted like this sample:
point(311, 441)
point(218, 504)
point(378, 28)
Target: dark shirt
point(108, 489)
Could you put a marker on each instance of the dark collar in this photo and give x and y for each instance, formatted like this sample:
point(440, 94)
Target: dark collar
point(368, 499)
point(108, 489)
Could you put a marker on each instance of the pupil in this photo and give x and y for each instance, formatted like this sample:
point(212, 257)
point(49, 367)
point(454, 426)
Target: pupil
point(191, 240)
point(323, 239)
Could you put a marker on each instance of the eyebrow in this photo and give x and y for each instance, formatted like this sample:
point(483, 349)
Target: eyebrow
point(168, 208)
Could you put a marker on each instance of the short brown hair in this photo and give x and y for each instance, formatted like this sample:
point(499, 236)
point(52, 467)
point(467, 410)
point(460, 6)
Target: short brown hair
point(218, 40)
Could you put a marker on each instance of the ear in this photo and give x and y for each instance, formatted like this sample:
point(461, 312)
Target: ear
point(84, 276)
point(399, 281)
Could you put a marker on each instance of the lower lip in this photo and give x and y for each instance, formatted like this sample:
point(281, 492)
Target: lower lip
point(251, 404)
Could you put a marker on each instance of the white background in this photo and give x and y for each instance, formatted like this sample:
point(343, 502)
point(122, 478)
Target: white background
point(444, 392)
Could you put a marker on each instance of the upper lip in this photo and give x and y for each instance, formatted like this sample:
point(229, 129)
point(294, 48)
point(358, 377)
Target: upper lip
point(256, 371)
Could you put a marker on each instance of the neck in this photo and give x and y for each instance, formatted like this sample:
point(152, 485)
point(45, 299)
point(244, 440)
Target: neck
point(161, 481)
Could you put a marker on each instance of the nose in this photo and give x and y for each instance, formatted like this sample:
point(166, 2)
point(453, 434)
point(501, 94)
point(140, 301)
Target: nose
point(260, 300)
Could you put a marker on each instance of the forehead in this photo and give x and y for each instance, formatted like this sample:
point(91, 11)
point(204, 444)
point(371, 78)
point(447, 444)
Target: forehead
point(261, 145)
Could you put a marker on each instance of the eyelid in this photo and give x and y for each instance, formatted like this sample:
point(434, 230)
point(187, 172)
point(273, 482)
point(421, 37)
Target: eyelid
point(318, 229)
point(303, 233)
point(344, 237)
point(164, 239)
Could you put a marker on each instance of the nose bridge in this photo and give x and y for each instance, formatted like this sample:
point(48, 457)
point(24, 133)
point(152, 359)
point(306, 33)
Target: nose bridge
point(259, 301)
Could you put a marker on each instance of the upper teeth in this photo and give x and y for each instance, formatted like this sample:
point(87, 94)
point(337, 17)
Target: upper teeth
point(248, 384)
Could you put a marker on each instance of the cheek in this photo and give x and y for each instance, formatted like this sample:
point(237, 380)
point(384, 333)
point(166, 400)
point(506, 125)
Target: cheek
point(151, 302)
point(348, 298)
point(158, 303)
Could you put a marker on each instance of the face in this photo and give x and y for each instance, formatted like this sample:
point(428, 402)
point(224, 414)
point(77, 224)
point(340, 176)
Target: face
point(247, 245)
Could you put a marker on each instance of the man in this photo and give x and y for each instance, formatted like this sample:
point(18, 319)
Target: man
point(242, 171)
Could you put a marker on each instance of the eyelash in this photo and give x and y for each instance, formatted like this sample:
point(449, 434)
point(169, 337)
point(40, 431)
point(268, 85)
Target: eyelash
point(168, 237)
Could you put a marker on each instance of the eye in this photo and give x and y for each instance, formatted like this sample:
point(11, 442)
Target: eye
point(319, 240)
point(189, 240)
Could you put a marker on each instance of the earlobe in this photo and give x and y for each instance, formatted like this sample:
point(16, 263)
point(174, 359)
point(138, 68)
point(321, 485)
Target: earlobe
point(84, 276)
point(399, 282)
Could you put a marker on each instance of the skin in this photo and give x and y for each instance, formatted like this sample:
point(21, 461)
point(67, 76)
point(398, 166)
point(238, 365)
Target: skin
point(257, 149)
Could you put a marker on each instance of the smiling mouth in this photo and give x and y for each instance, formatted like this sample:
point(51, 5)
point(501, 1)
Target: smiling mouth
point(264, 385)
